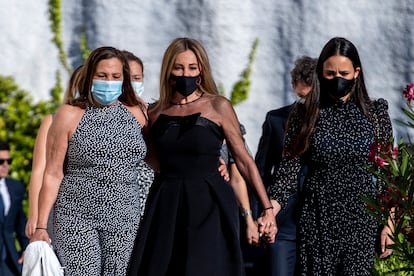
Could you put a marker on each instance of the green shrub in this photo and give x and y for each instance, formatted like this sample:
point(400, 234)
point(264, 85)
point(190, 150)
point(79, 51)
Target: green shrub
point(20, 118)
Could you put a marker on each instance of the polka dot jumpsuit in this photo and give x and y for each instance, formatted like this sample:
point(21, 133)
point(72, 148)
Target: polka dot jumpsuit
point(145, 179)
point(97, 209)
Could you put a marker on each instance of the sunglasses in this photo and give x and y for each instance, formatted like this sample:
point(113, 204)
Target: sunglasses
point(8, 161)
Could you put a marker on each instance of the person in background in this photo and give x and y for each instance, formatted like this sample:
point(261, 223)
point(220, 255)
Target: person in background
point(241, 191)
point(94, 148)
point(12, 217)
point(281, 255)
point(250, 238)
point(238, 184)
point(39, 157)
point(191, 224)
point(332, 134)
point(136, 67)
point(146, 173)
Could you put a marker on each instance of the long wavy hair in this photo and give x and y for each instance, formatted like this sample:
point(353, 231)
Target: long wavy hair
point(85, 98)
point(309, 112)
point(177, 46)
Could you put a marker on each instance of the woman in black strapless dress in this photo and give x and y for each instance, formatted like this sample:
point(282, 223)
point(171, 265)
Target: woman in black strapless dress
point(191, 222)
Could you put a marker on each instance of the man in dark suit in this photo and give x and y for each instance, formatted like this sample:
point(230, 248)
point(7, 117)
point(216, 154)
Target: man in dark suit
point(12, 217)
point(281, 256)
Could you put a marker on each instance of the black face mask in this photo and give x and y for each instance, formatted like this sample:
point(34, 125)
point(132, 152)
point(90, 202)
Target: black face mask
point(336, 88)
point(184, 85)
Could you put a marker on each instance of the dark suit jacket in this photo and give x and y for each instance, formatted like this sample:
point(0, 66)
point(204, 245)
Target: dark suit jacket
point(268, 157)
point(14, 224)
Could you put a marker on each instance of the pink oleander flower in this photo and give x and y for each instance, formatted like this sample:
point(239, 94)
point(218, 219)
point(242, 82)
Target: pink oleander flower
point(381, 153)
point(409, 92)
point(393, 168)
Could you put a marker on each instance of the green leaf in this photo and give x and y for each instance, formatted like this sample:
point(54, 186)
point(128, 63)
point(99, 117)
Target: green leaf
point(241, 88)
point(20, 119)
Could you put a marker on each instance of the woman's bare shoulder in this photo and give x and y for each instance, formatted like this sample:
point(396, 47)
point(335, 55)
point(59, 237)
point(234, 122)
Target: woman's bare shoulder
point(220, 103)
point(67, 114)
point(70, 108)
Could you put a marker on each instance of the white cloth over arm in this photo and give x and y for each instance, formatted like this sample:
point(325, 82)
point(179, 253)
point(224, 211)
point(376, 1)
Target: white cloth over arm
point(40, 260)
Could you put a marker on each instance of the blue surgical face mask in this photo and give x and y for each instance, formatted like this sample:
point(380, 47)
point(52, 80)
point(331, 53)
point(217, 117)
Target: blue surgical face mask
point(138, 87)
point(106, 92)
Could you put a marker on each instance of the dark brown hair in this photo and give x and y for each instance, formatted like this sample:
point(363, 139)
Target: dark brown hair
point(131, 57)
point(128, 95)
point(303, 70)
point(309, 112)
point(4, 145)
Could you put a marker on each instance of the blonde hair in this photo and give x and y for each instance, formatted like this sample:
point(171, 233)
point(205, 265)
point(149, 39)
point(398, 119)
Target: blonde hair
point(177, 46)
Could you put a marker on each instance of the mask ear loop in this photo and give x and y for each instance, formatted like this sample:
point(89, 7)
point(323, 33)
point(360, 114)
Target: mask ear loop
point(198, 81)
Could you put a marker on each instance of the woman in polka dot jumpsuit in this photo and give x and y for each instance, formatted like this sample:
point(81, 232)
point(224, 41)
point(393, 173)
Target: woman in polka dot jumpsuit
point(332, 132)
point(95, 146)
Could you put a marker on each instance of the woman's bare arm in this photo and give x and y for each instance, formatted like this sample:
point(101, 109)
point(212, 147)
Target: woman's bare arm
point(61, 130)
point(245, 163)
point(36, 177)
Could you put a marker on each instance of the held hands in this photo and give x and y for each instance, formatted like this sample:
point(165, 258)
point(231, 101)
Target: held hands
point(252, 233)
point(252, 229)
point(267, 222)
point(267, 226)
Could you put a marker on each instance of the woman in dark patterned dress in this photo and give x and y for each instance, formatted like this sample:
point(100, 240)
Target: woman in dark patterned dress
point(94, 148)
point(332, 133)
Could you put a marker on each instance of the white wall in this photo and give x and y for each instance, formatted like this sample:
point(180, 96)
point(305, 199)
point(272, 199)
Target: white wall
point(287, 29)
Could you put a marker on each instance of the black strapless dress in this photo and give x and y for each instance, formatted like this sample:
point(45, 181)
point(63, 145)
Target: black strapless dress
point(191, 222)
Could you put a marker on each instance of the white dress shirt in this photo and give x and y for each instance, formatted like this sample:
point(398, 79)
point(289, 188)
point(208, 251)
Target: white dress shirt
point(4, 192)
